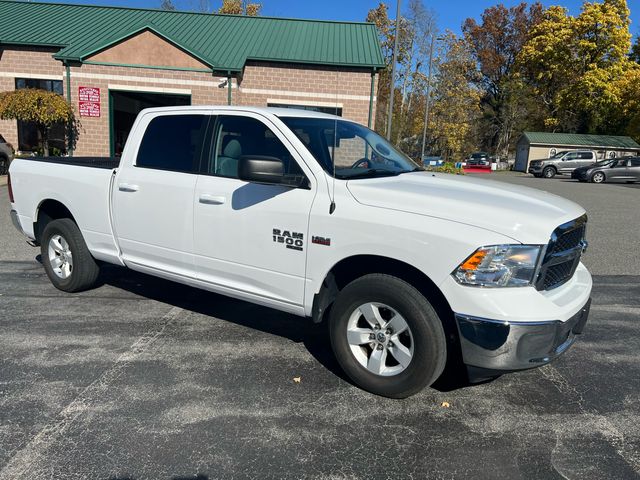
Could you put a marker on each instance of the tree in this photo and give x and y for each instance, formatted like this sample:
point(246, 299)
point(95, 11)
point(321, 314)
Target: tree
point(419, 27)
point(416, 26)
point(456, 100)
point(240, 7)
point(41, 107)
point(574, 64)
point(379, 16)
point(544, 63)
point(626, 114)
point(167, 5)
point(635, 51)
point(494, 44)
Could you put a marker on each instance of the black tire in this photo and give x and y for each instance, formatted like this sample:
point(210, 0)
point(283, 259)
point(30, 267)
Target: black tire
point(84, 271)
point(427, 335)
point(549, 172)
point(598, 177)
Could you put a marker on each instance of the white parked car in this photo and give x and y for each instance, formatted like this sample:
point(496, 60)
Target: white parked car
point(321, 217)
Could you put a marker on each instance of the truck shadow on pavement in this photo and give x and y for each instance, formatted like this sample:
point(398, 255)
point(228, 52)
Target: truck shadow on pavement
point(315, 337)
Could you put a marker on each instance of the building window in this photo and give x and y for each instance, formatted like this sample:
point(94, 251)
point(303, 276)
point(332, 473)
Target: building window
point(314, 108)
point(28, 135)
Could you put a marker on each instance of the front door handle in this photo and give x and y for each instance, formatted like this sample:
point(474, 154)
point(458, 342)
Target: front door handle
point(212, 199)
point(128, 187)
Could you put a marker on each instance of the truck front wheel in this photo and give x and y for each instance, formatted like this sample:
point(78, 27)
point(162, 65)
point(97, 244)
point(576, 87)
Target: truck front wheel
point(549, 172)
point(387, 337)
point(66, 258)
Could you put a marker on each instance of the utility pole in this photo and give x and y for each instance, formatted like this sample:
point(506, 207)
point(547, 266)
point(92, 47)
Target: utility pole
point(426, 107)
point(393, 71)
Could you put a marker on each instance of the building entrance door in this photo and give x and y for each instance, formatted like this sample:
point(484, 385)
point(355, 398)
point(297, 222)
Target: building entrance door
point(124, 107)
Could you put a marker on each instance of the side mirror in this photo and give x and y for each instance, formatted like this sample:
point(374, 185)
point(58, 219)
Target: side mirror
point(261, 169)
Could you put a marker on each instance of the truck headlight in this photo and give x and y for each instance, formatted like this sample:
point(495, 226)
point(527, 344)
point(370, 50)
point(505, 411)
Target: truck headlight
point(499, 266)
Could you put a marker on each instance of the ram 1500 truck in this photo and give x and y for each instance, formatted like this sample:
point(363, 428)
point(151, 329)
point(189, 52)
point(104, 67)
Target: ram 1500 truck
point(321, 217)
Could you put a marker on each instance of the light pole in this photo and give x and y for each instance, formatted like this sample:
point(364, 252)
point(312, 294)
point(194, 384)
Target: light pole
point(426, 107)
point(393, 71)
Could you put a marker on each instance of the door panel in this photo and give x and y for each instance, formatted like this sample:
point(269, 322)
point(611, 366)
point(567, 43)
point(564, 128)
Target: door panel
point(153, 198)
point(247, 236)
point(620, 171)
point(236, 242)
point(569, 162)
point(154, 222)
point(585, 159)
point(635, 169)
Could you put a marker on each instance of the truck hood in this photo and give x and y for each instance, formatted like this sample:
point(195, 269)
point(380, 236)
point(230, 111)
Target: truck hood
point(525, 214)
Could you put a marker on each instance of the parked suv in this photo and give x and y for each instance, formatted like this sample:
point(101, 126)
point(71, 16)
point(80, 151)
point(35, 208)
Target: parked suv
point(563, 162)
point(6, 154)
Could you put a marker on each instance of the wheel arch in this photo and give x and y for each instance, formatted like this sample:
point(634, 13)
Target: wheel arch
point(356, 266)
point(49, 209)
point(350, 268)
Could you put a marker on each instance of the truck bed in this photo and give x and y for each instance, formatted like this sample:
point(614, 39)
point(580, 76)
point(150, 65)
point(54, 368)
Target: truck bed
point(81, 184)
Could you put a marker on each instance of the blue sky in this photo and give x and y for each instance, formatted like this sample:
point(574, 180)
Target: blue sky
point(450, 13)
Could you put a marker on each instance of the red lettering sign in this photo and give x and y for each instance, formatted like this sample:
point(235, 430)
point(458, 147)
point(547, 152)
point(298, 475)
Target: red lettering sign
point(89, 101)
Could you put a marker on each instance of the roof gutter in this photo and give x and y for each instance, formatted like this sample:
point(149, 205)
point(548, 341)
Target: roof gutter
point(628, 147)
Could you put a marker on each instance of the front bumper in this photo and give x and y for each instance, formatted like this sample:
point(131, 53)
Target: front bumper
point(505, 346)
point(535, 168)
point(579, 175)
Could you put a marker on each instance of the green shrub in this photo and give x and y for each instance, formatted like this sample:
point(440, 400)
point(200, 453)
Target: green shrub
point(447, 167)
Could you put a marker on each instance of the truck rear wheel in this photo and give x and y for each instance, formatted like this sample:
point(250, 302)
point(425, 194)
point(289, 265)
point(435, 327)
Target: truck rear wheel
point(387, 337)
point(66, 258)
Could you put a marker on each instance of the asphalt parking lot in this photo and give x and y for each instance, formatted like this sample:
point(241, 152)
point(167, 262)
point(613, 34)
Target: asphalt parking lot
point(145, 379)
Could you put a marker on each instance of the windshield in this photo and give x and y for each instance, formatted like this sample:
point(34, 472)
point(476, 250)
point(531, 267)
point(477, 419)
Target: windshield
point(356, 151)
point(559, 154)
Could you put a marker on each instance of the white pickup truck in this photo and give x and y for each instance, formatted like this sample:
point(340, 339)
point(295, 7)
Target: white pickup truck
point(321, 217)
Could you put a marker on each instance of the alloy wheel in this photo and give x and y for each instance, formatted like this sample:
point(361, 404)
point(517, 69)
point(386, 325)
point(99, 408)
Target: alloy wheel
point(380, 339)
point(60, 256)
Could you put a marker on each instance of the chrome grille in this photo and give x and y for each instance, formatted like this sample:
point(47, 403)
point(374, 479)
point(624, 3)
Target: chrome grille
point(562, 255)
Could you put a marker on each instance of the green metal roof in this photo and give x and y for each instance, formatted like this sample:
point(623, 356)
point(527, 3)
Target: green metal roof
point(224, 42)
point(580, 140)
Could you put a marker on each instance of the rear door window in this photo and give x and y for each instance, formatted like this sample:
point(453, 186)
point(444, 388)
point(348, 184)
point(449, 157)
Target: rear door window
point(173, 142)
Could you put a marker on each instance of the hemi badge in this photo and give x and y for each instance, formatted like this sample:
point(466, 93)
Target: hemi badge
point(321, 240)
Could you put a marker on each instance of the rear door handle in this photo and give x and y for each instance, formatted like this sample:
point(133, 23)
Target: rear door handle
point(128, 187)
point(212, 199)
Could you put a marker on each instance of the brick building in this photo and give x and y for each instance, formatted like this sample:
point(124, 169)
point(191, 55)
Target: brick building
point(112, 62)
